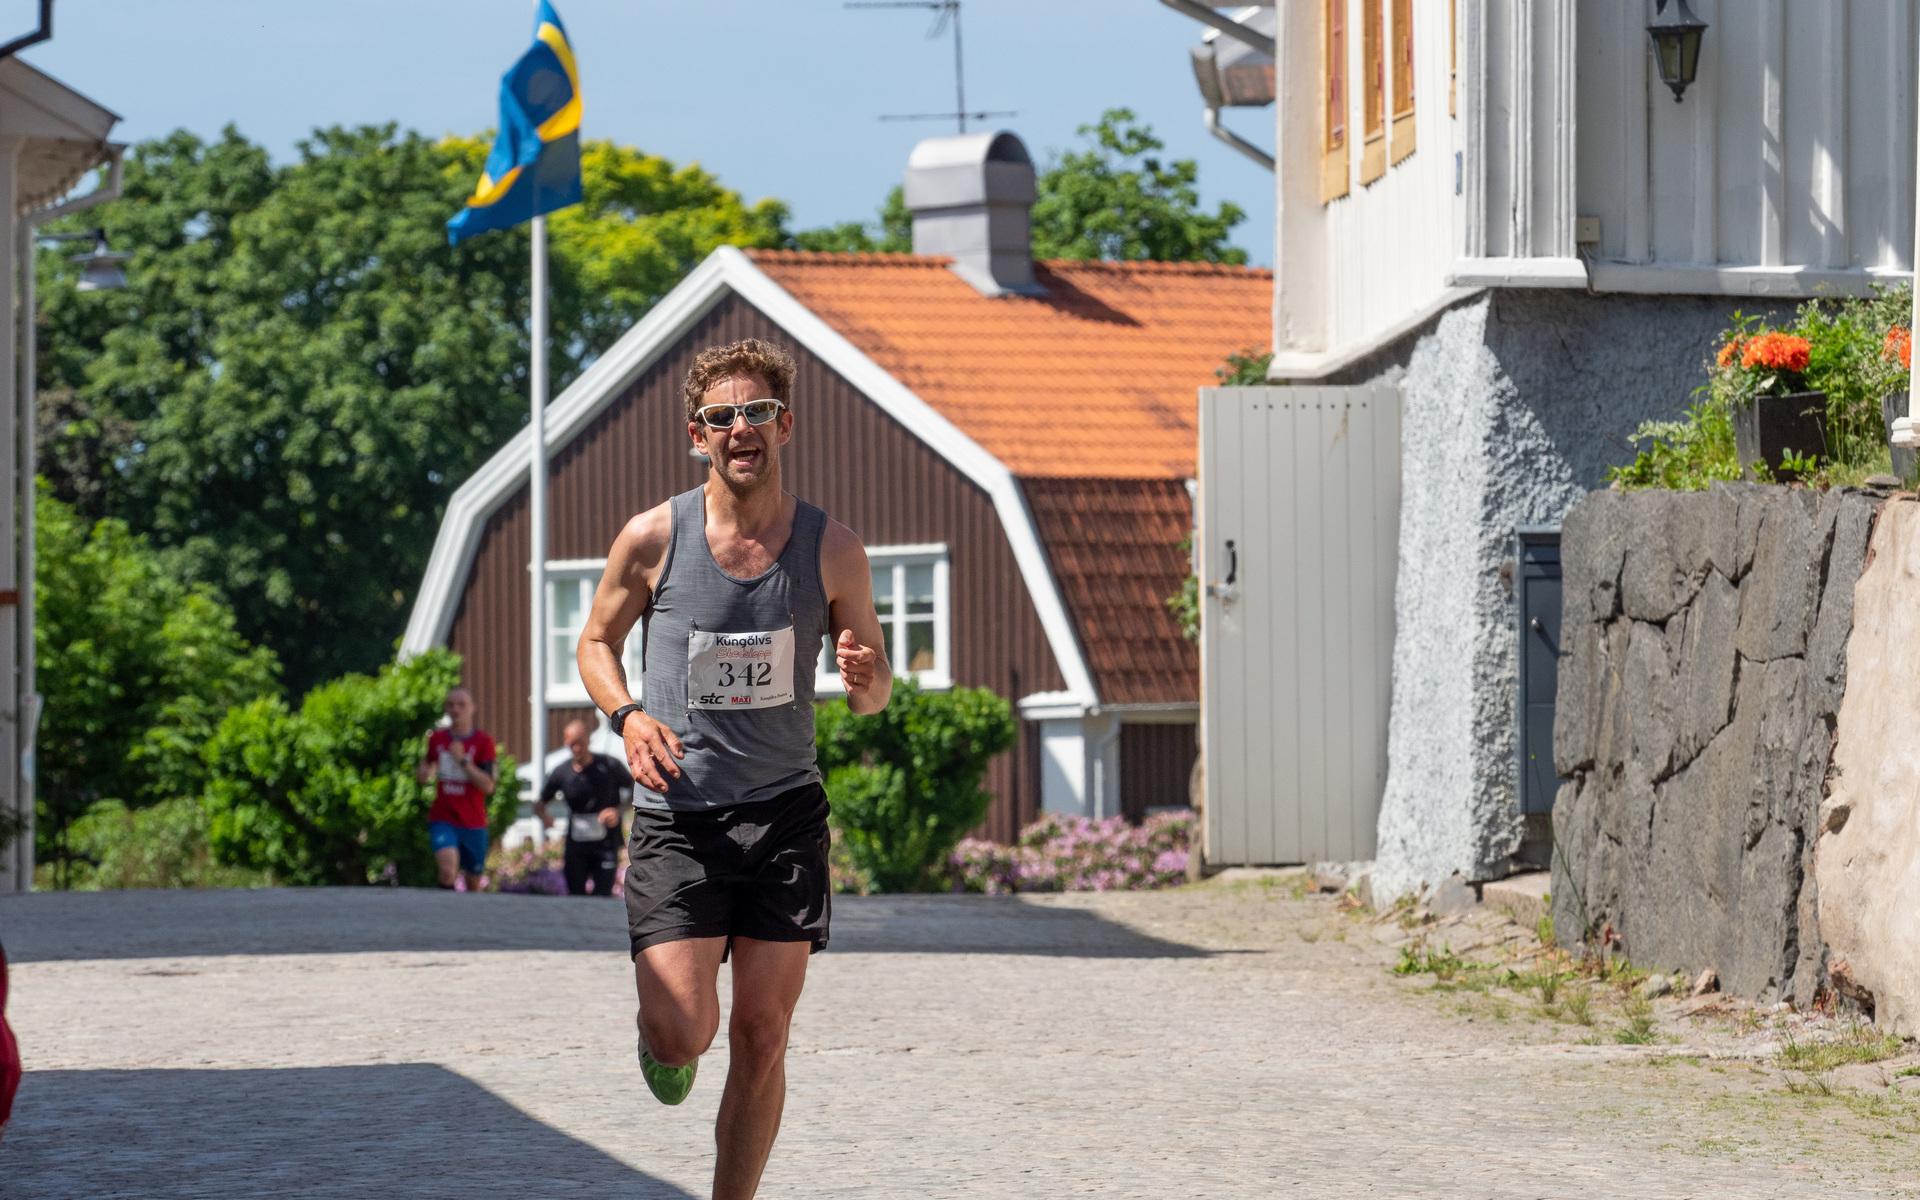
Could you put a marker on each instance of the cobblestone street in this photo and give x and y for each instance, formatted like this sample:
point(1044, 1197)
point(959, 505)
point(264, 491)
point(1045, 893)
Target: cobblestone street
point(1217, 1041)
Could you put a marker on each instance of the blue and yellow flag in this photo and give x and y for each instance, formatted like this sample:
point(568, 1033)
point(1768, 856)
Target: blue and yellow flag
point(535, 164)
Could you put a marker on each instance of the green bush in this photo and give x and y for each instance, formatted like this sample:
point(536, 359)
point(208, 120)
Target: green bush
point(162, 846)
point(327, 794)
point(905, 782)
point(137, 669)
point(1849, 359)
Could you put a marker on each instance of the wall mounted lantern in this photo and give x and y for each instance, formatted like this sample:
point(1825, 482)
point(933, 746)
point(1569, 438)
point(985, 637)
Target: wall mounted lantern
point(103, 270)
point(1676, 35)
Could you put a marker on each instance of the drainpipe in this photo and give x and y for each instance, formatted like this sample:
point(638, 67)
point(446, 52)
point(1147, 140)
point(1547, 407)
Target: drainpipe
point(29, 474)
point(1227, 25)
point(1210, 116)
point(1205, 74)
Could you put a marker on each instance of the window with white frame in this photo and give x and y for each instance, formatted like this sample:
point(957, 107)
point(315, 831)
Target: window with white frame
point(570, 588)
point(910, 597)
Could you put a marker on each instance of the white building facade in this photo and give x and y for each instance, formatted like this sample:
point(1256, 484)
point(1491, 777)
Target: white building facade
point(1500, 206)
point(51, 138)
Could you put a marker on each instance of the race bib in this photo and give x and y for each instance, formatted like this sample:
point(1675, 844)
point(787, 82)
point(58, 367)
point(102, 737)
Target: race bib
point(453, 777)
point(586, 827)
point(739, 670)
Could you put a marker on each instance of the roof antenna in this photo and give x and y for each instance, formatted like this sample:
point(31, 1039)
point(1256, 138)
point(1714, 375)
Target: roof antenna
point(949, 15)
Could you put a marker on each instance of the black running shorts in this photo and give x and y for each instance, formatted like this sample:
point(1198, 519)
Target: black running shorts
point(754, 870)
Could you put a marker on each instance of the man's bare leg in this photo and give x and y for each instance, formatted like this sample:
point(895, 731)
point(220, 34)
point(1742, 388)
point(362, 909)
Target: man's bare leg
point(679, 1006)
point(447, 861)
point(767, 978)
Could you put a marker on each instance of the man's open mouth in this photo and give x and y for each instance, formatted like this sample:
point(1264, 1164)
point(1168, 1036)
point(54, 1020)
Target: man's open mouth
point(744, 456)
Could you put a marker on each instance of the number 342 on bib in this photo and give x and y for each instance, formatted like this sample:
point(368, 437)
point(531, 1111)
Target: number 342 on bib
point(739, 670)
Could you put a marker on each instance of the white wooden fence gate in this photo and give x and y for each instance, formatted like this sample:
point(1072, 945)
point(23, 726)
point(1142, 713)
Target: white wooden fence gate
point(1298, 528)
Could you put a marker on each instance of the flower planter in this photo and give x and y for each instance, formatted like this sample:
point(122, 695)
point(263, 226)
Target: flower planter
point(1893, 406)
point(1770, 426)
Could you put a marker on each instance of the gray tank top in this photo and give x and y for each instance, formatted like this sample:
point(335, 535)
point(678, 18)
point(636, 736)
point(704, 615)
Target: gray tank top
point(728, 664)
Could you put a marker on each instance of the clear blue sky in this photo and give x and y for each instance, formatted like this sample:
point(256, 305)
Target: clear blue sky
point(777, 97)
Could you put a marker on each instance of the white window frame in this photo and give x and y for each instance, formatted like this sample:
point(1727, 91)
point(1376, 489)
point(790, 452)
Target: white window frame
point(940, 676)
point(573, 693)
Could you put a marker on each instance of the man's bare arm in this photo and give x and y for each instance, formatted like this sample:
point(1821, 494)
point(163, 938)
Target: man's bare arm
point(626, 587)
point(860, 644)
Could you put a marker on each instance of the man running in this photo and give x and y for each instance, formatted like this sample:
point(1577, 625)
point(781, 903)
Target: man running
point(739, 582)
point(460, 761)
point(592, 786)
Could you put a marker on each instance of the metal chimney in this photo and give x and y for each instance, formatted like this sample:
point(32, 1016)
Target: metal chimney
point(971, 198)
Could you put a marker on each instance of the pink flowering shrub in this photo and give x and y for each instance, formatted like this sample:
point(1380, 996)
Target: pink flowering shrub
point(1077, 854)
point(529, 870)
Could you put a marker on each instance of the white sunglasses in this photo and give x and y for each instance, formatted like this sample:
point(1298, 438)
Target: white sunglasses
point(722, 416)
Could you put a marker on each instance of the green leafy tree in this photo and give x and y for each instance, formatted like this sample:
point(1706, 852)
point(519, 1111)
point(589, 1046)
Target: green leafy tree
point(1118, 199)
point(906, 781)
point(138, 669)
point(1115, 198)
point(302, 369)
point(159, 847)
point(326, 793)
point(643, 223)
point(891, 234)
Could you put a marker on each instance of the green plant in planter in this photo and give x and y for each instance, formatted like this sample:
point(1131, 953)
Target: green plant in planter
point(1850, 350)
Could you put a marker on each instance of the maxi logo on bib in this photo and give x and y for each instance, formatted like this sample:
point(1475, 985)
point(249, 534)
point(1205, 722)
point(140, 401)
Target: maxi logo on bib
point(739, 670)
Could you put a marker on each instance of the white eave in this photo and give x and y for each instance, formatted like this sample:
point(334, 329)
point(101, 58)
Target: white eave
point(728, 270)
point(61, 134)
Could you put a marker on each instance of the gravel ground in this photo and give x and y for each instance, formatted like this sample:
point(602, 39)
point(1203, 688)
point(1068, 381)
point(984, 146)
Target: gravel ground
point(1216, 1041)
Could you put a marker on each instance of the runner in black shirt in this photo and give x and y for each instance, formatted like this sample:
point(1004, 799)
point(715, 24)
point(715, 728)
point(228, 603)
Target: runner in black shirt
point(592, 785)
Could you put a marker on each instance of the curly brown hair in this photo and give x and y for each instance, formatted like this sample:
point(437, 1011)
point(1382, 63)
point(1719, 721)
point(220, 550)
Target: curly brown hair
point(748, 356)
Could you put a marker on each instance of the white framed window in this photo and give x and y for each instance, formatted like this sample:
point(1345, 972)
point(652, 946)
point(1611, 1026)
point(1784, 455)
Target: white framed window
point(911, 596)
point(570, 586)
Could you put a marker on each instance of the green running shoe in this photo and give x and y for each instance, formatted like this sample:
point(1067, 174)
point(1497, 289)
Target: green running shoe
point(669, 1085)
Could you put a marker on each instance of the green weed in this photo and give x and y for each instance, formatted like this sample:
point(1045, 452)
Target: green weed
point(1858, 1043)
point(1638, 1031)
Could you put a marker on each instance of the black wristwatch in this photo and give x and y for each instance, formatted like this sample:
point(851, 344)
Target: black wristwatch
point(619, 718)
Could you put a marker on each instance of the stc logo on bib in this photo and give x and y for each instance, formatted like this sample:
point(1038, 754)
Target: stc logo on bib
point(710, 698)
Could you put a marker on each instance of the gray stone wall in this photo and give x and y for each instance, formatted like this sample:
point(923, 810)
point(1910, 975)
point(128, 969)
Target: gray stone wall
point(1516, 403)
point(1703, 662)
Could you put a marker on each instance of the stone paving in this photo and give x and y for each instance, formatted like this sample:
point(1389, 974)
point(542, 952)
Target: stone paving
point(1217, 1041)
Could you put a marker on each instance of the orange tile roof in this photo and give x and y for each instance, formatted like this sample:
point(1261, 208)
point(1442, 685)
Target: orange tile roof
point(1114, 545)
point(1130, 341)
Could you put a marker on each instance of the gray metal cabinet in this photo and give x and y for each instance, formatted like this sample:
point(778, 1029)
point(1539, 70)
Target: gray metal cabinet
point(1537, 588)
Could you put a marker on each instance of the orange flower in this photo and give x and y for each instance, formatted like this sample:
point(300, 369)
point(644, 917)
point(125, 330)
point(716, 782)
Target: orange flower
point(1777, 352)
point(1728, 353)
point(1899, 344)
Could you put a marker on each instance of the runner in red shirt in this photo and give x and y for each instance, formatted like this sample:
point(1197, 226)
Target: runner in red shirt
point(460, 760)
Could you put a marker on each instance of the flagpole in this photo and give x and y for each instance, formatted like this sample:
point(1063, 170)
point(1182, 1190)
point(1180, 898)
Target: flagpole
point(537, 515)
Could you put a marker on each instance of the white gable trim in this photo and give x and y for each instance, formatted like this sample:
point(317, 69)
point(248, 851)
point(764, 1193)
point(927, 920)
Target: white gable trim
point(728, 269)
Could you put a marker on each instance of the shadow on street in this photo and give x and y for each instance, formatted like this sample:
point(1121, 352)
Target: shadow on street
point(75, 926)
point(410, 1129)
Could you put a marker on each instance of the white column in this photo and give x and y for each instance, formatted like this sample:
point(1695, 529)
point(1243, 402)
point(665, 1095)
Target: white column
point(29, 463)
point(537, 513)
point(1904, 427)
point(15, 862)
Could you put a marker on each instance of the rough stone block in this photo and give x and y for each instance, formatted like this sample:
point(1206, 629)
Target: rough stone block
point(1649, 700)
point(1781, 591)
point(1653, 580)
point(1593, 544)
point(1867, 865)
point(1707, 667)
point(1700, 743)
point(1580, 696)
point(1846, 560)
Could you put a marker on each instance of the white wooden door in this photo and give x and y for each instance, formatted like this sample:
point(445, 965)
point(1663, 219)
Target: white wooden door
point(1298, 529)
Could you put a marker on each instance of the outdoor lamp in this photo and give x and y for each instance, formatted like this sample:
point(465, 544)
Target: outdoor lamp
point(1676, 44)
point(101, 271)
